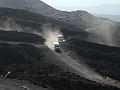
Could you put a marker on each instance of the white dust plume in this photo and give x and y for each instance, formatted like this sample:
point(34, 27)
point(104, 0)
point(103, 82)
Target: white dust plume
point(51, 34)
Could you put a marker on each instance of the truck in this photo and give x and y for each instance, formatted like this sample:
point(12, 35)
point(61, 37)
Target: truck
point(60, 38)
point(56, 47)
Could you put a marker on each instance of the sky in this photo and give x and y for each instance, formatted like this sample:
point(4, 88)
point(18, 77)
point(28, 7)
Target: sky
point(87, 5)
point(81, 3)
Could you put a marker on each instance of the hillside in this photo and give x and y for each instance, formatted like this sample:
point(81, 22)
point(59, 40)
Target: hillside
point(20, 37)
point(15, 84)
point(25, 21)
point(115, 18)
point(108, 9)
point(25, 55)
point(103, 59)
point(106, 30)
point(80, 18)
point(27, 62)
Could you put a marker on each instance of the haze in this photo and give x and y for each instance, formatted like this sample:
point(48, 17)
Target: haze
point(93, 6)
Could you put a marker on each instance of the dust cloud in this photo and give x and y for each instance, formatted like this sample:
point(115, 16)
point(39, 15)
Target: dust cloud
point(104, 33)
point(10, 25)
point(50, 34)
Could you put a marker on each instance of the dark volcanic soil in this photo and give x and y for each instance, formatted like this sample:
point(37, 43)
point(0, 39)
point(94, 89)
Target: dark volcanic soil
point(103, 59)
point(14, 84)
point(33, 22)
point(20, 37)
point(40, 65)
point(27, 62)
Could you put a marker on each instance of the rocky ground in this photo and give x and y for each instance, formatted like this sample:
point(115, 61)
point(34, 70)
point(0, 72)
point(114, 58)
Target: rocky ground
point(42, 66)
point(103, 59)
point(26, 62)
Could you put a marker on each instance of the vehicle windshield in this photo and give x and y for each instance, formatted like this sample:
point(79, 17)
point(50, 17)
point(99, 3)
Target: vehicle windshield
point(57, 45)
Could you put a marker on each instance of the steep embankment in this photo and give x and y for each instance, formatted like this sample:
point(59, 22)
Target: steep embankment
point(20, 37)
